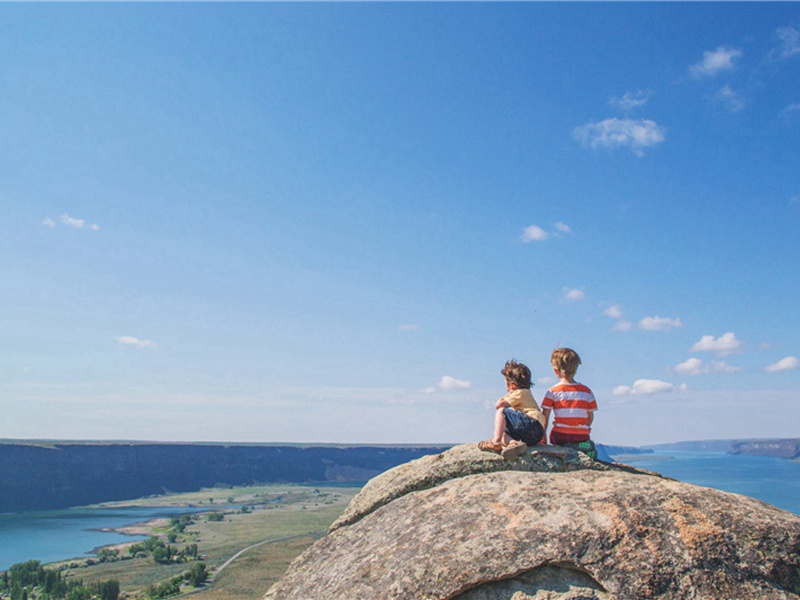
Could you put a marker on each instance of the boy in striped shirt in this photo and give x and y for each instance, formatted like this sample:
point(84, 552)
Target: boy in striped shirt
point(572, 403)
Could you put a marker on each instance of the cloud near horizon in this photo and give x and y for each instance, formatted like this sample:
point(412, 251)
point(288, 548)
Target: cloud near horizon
point(646, 387)
point(723, 345)
point(127, 340)
point(715, 62)
point(620, 133)
point(449, 384)
point(695, 366)
point(789, 363)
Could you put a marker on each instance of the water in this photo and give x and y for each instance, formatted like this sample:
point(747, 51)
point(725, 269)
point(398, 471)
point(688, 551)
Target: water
point(773, 480)
point(51, 536)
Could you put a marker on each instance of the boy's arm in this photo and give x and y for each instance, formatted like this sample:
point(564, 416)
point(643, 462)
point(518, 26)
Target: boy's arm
point(546, 413)
point(590, 420)
point(502, 403)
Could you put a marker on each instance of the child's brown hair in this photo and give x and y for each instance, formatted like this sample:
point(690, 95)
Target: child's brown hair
point(565, 361)
point(518, 374)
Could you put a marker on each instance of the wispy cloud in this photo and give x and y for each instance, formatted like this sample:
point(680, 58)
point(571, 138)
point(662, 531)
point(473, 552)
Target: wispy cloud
point(127, 340)
point(646, 387)
point(715, 62)
point(659, 323)
point(729, 99)
point(562, 227)
point(534, 233)
point(66, 219)
point(631, 100)
point(790, 363)
point(790, 41)
point(408, 327)
point(790, 111)
point(622, 326)
point(695, 366)
point(621, 133)
point(449, 384)
point(573, 295)
point(615, 312)
point(723, 345)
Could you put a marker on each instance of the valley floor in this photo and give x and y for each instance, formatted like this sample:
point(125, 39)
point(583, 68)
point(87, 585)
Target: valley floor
point(245, 552)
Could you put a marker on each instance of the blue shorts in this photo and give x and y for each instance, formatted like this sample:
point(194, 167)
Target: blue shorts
point(522, 427)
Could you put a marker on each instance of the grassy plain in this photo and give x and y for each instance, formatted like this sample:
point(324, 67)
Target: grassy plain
point(281, 522)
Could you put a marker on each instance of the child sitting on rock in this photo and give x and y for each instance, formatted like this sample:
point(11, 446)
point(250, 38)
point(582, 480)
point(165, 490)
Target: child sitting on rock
point(572, 404)
point(518, 422)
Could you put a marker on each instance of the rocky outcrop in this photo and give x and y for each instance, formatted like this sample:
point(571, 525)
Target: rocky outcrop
point(552, 525)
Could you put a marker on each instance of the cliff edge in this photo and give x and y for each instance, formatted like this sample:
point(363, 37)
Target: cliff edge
point(552, 525)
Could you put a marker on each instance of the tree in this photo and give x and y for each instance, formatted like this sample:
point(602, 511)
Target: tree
point(197, 574)
point(109, 590)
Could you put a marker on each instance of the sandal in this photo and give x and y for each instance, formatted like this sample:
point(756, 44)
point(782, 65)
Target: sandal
point(490, 446)
point(515, 449)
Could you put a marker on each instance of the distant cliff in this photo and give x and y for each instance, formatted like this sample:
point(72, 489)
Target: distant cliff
point(782, 448)
point(60, 475)
point(789, 448)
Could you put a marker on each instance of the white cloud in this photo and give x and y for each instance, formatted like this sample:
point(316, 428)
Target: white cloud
point(659, 323)
point(695, 366)
point(534, 233)
point(631, 100)
point(615, 312)
point(563, 227)
point(408, 327)
point(127, 340)
point(622, 326)
point(715, 62)
point(72, 222)
point(790, 110)
point(617, 133)
point(790, 41)
point(573, 295)
point(448, 383)
point(732, 101)
point(723, 345)
point(790, 363)
point(645, 387)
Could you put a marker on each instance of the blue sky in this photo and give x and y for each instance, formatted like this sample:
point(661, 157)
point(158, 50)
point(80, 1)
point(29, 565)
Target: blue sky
point(335, 222)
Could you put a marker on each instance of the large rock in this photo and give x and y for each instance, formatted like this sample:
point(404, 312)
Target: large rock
point(552, 525)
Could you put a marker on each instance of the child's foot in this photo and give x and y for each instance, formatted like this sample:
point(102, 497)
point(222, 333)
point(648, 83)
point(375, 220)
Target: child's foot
point(490, 446)
point(515, 449)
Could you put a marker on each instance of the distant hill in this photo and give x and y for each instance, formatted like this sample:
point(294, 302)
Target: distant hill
point(783, 448)
point(52, 475)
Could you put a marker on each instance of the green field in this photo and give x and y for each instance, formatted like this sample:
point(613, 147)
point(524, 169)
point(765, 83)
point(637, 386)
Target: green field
point(271, 534)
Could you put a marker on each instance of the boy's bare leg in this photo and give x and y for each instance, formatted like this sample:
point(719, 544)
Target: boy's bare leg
point(500, 435)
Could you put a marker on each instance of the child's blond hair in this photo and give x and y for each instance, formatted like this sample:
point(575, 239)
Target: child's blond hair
point(565, 361)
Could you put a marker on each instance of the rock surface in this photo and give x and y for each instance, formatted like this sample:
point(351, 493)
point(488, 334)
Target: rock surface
point(552, 525)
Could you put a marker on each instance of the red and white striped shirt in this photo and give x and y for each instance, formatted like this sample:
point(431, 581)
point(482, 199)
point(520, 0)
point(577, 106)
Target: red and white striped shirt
point(571, 404)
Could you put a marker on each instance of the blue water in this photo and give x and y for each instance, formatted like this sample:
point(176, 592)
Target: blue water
point(51, 536)
point(773, 480)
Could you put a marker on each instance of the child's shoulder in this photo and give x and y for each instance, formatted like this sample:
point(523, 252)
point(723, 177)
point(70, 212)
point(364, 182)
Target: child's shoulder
point(575, 386)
